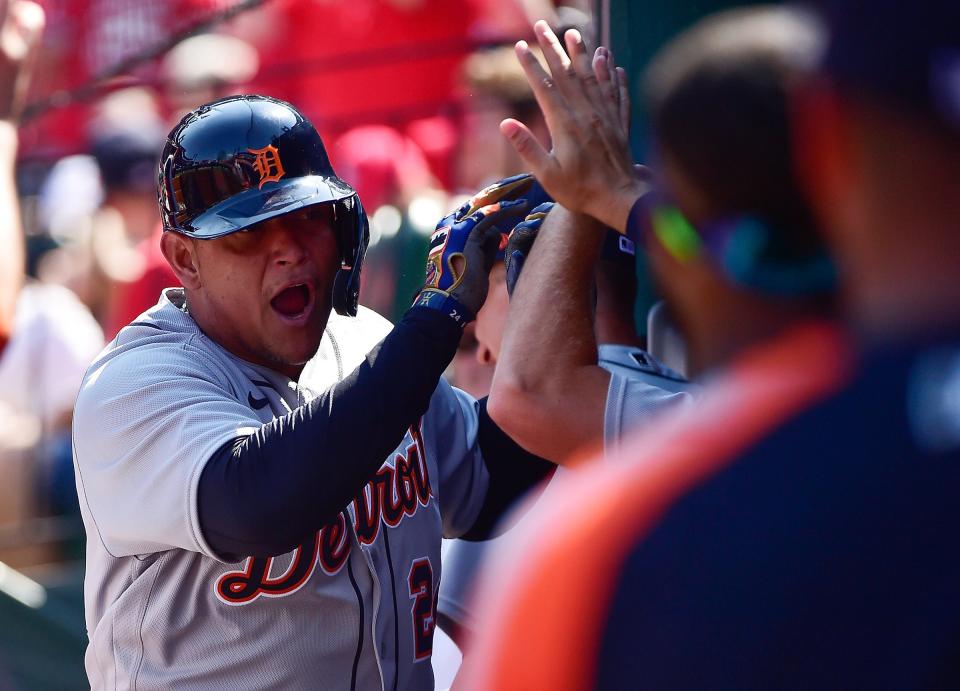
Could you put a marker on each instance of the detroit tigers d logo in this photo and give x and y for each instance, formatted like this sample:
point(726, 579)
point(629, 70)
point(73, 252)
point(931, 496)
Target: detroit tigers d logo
point(267, 164)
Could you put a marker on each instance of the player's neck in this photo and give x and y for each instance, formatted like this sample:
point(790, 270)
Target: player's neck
point(613, 329)
point(737, 324)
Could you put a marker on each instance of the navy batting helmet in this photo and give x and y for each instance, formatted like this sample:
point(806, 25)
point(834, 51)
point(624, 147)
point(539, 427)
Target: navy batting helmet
point(240, 160)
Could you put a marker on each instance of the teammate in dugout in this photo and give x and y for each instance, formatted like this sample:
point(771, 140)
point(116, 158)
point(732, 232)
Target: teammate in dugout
point(617, 352)
point(255, 521)
point(798, 530)
point(761, 270)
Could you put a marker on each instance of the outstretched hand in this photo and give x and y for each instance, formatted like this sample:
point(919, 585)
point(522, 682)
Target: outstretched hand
point(21, 24)
point(586, 106)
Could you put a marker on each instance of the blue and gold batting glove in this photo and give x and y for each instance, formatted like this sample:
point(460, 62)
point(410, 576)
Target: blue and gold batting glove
point(461, 254)
point(464, 246)
point(520, 242)
point(513, 188)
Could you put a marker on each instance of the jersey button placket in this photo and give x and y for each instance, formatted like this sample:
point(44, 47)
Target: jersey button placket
point(368, 553)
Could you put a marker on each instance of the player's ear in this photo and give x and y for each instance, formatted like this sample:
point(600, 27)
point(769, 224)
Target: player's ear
point(180, 253)
point(485, 355)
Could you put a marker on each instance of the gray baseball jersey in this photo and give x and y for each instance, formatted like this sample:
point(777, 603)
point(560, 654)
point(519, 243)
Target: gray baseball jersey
point(352, 607)
point(640, 386)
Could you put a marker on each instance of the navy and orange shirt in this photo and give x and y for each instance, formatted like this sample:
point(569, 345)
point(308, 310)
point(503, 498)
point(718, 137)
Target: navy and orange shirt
point(795, 529)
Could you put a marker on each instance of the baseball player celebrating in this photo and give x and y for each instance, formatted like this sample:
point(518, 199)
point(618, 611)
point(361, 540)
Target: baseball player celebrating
point(253, 522)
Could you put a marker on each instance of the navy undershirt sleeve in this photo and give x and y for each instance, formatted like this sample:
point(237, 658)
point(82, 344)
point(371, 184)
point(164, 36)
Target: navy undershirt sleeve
point(634, 229)
point(263, 494)
point(513, 472)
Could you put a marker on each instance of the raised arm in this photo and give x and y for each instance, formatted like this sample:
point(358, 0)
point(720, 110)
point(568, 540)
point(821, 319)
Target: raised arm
point(22, 24)
point(548, 392)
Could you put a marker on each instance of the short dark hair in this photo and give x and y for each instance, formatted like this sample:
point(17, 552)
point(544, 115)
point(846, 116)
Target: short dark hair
point(718, 100)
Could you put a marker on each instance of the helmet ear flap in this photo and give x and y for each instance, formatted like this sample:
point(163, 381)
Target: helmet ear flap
point(165, 197)
point(353, 234)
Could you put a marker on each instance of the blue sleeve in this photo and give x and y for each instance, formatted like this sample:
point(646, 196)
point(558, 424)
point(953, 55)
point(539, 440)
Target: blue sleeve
point(261, 495)
point(635, 221)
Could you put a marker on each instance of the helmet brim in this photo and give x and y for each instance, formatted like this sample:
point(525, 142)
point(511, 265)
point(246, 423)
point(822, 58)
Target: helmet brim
point(252, 206)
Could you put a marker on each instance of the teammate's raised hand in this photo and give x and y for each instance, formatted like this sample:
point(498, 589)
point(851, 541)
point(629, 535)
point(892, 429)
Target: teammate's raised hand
point(21, 24)
point(587, 110)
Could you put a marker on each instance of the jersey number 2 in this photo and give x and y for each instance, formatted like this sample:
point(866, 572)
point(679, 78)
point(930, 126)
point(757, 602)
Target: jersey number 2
point(424, 608)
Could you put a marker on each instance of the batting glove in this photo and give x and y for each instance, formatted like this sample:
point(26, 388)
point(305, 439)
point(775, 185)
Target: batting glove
point(520, 242)
point(464, 246)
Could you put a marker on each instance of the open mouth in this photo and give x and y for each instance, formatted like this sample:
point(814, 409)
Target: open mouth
point(292, 301)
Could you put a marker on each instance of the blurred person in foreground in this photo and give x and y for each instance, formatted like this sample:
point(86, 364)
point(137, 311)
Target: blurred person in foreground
point(808, 545)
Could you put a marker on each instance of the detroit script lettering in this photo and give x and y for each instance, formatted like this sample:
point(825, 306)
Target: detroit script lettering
point(394, 493)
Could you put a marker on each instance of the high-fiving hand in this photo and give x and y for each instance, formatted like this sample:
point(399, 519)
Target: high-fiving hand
point(586, 106)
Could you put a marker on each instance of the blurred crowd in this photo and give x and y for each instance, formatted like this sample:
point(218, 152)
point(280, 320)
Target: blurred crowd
point(89, 144)
point(747, 456)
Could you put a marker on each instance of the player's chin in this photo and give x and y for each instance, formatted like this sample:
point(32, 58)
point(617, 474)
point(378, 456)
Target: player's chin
point(296, 341)
point(294, 352)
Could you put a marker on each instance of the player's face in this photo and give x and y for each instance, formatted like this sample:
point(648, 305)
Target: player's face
point(492, 317)
point(266, 292)
point(470, 372)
